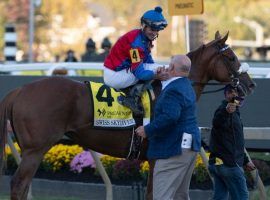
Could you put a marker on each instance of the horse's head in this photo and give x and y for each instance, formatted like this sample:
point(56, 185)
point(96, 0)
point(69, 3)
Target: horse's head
point(217, 61)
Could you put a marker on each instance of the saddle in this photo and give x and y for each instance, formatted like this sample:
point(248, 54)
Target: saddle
point(110, 113)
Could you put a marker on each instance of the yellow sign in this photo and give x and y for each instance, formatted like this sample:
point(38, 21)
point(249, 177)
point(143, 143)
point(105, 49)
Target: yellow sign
point(185, 7)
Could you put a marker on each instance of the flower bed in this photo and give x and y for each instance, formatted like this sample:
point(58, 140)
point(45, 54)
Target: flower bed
point(72, 163)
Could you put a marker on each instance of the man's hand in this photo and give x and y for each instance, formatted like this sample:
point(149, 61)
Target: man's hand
point(160, 69)
point(140, 131)
point(162, 74)
point(249, 166)
point(231, 107)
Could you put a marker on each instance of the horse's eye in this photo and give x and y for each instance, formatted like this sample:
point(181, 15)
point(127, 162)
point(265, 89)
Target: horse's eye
point(232, 59)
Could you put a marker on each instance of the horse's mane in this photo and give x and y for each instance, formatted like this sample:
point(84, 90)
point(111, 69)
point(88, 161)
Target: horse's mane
point(195, 54)
point(157, 86)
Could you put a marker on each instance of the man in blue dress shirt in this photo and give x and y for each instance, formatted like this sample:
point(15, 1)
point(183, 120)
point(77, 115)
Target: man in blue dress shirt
point(173, 134)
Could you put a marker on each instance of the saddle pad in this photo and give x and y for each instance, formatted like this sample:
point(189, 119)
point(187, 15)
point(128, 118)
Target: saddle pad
point(111, 114)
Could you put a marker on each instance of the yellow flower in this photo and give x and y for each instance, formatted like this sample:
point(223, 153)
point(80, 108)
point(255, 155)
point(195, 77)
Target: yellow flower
point(60, 155)
point(199, 160)
point(108, 160)
point(8, 150)
point(144, 167)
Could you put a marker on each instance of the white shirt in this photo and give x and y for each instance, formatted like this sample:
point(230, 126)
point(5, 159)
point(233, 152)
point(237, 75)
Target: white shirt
point(186, 141)
point(167, 82)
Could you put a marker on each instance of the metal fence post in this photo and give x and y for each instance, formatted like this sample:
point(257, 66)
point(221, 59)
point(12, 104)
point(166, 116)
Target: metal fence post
point(105, 177)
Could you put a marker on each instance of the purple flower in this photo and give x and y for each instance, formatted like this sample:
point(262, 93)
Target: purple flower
point(82, 160)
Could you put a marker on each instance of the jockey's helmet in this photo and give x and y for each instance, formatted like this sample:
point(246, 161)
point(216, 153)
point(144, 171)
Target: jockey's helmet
point(154, 19)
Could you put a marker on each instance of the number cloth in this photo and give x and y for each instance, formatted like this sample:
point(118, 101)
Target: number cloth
point(109, 113)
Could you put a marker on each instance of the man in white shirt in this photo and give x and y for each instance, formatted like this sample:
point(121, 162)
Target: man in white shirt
point(173, 134)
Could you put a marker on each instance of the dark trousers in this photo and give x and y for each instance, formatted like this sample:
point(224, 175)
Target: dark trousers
point(229, 181)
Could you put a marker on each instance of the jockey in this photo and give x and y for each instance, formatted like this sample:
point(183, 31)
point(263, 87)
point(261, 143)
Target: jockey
point(130, 60)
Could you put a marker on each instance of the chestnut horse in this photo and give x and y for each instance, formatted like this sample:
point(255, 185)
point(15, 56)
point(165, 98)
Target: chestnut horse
point(42, 112)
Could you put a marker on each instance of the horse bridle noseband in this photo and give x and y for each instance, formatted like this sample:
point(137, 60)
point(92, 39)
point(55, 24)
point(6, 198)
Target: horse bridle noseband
point(234, 74)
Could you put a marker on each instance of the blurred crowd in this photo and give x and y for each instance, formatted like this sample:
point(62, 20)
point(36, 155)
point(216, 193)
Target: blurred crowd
point(91, 54)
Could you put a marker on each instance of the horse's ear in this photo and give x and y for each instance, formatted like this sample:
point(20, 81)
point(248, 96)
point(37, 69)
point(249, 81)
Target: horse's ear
point(217, 35)
point(223, 40)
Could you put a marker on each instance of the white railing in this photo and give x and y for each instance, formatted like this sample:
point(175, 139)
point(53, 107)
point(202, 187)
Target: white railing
point(47, 68)
point(259, 72)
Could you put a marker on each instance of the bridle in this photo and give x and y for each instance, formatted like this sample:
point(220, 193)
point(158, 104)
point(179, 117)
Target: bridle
point(226, 59)
point(234, 74)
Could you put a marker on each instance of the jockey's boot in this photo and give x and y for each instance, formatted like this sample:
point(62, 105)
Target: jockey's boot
point(131, 103)
point(139, 88)
point(133, 99)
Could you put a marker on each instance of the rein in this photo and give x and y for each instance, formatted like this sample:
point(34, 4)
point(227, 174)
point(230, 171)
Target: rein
point(209, 91)
point(213, 91)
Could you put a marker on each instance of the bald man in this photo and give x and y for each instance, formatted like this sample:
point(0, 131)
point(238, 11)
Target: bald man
point(173, 134)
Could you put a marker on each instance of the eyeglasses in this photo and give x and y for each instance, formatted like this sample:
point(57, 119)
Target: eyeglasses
point(155, 26)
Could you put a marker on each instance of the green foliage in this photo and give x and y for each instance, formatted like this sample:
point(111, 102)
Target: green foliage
point(108, 163)
point(127, 169)
point(200, 174)
point(260, 155)
point(11, 163)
